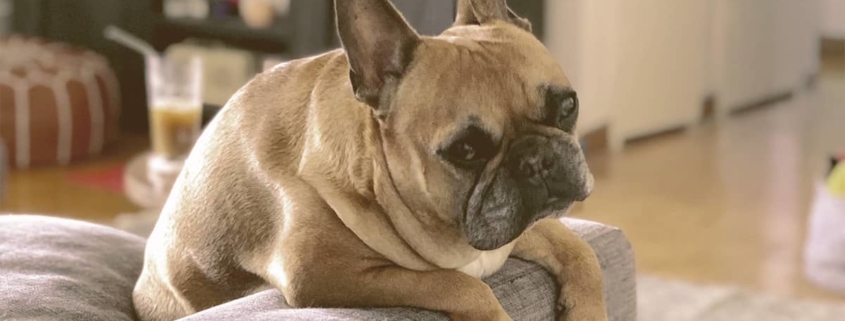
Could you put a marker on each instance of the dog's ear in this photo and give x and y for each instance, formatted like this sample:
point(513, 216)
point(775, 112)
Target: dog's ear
point(379, 44)
point(478, 12)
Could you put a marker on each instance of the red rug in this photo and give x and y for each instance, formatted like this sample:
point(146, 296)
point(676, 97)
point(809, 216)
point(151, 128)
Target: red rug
point(109, 179)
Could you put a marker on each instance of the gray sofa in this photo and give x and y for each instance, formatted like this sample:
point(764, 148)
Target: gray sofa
point(59, 269)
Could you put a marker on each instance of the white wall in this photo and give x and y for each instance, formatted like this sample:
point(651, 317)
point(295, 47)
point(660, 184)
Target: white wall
point(797, 41)
point(645, 66)
point(833, 18)
point(762, 48)
point(581, 35)
point(709, 57)
point(637, 69)
point(598, 55)
point(566, 39)
point(744, 42)
point(660, 76)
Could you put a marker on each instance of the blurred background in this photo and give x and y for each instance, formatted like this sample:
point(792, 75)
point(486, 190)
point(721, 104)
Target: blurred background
point(713, 127)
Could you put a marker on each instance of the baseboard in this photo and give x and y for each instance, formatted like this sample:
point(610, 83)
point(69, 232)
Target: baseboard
point(708, 107)
point(832, 56)
point(598, 140)
point(765, 102)
point(671, 131)
point(833, 46)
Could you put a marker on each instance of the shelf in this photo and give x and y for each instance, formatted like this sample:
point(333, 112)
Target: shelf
point(231, 31)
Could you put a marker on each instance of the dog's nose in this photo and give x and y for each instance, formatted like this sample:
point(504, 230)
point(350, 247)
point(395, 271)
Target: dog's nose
point(535, 163)
point(528, 162)
point(549, 169)
point(535, 168)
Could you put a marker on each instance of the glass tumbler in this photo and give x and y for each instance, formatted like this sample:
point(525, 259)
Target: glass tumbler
point(174, 89)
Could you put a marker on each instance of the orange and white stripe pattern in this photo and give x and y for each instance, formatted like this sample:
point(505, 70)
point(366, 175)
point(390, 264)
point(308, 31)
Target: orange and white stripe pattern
point(58, 103)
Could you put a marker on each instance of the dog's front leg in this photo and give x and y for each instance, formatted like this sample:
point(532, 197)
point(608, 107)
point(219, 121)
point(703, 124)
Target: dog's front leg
point(574, 265)
point(461, 297)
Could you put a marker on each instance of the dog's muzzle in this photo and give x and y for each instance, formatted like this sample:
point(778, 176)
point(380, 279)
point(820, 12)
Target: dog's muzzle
point(539, 177)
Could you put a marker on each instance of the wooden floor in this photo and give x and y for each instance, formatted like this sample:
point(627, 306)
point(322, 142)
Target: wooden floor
point(49, 191)
point(725, 202)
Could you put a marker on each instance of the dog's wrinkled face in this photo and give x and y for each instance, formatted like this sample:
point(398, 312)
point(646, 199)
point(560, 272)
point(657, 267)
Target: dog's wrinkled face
point(481, 133)
point(478, 130)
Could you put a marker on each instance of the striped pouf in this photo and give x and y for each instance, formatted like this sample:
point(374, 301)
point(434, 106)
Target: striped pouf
point(58, 103)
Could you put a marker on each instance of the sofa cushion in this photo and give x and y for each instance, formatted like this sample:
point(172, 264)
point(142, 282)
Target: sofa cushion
point(58, 269)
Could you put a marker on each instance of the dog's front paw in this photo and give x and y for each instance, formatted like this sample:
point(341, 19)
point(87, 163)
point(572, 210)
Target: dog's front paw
point(572, 310)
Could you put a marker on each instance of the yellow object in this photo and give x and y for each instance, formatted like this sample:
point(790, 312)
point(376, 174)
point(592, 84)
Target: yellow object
point(836, 180)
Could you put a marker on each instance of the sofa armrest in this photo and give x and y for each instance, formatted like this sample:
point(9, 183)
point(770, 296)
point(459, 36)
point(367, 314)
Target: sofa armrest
point(525, 290)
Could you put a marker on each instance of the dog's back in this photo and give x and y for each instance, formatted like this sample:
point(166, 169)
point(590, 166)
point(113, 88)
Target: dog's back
point(220, 194)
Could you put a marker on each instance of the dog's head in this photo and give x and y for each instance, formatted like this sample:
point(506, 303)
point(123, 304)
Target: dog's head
point(477, 125)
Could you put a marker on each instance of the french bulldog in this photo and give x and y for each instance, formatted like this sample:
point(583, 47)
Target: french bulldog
point(351, 178)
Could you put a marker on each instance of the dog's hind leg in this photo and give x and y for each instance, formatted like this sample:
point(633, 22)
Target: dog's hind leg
point(188, 287)
point(156, 301)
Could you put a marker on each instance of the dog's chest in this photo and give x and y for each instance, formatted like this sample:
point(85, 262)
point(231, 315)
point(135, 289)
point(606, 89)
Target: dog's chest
point(488, 262)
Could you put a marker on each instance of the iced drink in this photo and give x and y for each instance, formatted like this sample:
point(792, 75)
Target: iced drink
point(175, 95)
point(174, 128)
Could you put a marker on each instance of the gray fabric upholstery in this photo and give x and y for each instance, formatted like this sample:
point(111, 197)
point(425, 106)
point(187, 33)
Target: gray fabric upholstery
point(55, 269)
point(526, 291)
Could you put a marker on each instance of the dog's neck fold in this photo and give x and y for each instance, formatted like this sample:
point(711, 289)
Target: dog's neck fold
point(442, 247)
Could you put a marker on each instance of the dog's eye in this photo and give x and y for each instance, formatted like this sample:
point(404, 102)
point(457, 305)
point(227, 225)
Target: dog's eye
point(470, 150)
point(567, 113)
point(463, 151)
point(568, 107)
